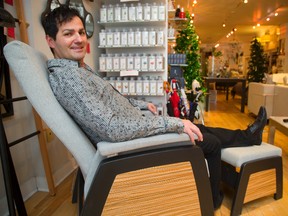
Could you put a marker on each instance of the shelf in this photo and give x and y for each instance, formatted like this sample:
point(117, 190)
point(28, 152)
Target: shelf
point(179, 65)
point(171, 39)
point(136, 23)
point(140, 71)
point(134, 46)
point(178, 19)
point(177, 23)
point(145, 48)
point(137, 95)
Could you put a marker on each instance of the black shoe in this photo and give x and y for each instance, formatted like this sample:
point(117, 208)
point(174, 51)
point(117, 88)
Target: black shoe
point(256, 129)
point(218, 202)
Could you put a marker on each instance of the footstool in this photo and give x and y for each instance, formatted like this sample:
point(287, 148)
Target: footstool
point(252, 172)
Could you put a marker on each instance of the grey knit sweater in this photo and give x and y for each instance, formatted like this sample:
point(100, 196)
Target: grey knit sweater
point(100, 110)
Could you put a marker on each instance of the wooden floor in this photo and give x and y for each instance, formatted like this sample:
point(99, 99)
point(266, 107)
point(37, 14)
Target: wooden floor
point(222, 114)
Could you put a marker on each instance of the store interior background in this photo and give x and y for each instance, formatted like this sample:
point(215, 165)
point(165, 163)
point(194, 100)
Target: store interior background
point(209, 19)
point(215, 20)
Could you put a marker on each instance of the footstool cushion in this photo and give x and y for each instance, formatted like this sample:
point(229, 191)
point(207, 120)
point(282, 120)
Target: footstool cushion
point(236, 156)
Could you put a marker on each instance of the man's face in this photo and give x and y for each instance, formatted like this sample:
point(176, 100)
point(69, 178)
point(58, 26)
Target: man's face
point(71, 41)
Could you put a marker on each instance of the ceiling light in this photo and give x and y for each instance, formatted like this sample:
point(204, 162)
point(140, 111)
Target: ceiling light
point(224, 25)
point(254, 27)
point(268, 19)
point(194, 2)
point(245, 1)
point(217, 45)
point(258, 24)
point(276, 14)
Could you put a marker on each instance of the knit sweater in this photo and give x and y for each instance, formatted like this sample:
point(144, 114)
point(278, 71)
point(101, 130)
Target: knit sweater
point(99, 109)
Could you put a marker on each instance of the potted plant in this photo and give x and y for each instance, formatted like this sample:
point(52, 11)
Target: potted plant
point(257, 63)
point(187, 43)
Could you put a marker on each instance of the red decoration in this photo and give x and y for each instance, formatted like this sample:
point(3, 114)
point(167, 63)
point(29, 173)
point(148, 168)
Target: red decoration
point(175, 99)
point(88, 48)
point(11, 32)
point(10, 2)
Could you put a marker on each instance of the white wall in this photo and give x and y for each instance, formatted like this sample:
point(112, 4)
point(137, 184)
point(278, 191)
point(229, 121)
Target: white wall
point(26, 155)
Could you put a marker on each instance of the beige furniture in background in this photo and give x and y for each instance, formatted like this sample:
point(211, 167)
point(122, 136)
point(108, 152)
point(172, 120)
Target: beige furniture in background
point(280, 107)
point(277, 122)
point(260, 94)
point(273, 96)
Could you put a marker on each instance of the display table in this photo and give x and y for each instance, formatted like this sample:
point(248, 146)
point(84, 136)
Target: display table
point(276, 122)
point(227, 81)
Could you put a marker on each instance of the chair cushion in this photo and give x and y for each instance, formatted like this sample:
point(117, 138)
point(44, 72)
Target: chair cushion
point(236, 156)
point(111, 149)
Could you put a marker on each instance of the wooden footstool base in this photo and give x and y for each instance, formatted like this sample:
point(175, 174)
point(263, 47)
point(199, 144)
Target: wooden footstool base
point(252, 172)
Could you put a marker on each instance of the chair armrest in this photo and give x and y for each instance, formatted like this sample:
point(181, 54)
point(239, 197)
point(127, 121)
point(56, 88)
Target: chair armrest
point(109, 149)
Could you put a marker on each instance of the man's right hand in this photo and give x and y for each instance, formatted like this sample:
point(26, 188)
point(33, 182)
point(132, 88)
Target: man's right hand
point(191, 129)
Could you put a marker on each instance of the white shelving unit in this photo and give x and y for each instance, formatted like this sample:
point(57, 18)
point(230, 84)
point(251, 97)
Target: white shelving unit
point(177, 24)
point(112, 49)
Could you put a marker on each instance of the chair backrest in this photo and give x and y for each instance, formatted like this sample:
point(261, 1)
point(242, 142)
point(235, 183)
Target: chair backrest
point(30, 69)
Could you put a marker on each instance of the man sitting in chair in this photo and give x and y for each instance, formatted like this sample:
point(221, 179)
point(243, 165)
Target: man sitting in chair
point(105, 115)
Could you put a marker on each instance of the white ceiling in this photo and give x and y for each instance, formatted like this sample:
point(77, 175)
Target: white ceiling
point(211, 14)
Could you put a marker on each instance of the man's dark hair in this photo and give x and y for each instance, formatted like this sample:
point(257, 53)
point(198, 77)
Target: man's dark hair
point(55, 18)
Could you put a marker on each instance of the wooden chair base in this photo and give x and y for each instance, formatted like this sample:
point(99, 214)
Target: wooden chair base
point(255, 179)
point(162, 181)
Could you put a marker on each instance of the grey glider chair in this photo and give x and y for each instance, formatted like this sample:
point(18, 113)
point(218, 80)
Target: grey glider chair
point(163, 174)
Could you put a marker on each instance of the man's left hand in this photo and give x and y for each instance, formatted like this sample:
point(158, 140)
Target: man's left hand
point(152, 108)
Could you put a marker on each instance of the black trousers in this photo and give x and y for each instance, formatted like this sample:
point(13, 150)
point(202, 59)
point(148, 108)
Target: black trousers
point(214, 139)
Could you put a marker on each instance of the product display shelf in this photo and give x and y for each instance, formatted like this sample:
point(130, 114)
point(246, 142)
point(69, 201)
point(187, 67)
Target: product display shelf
point(177, 23)
point(171, 38)
point(174, 25)
point(133, 22)
point(143, 96)
point(156, 75)
point(141, 71)
point(132, 46)
point(178, 65)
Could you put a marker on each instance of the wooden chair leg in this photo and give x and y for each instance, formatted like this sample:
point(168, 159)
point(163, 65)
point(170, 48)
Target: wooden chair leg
point(279, 179)
point(252, 167)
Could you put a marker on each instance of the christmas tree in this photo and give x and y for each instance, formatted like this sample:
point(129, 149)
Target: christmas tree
point(257, 63)
point(187, 43)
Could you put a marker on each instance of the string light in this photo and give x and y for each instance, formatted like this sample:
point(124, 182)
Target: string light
point(231, 33)
point(269, 16)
